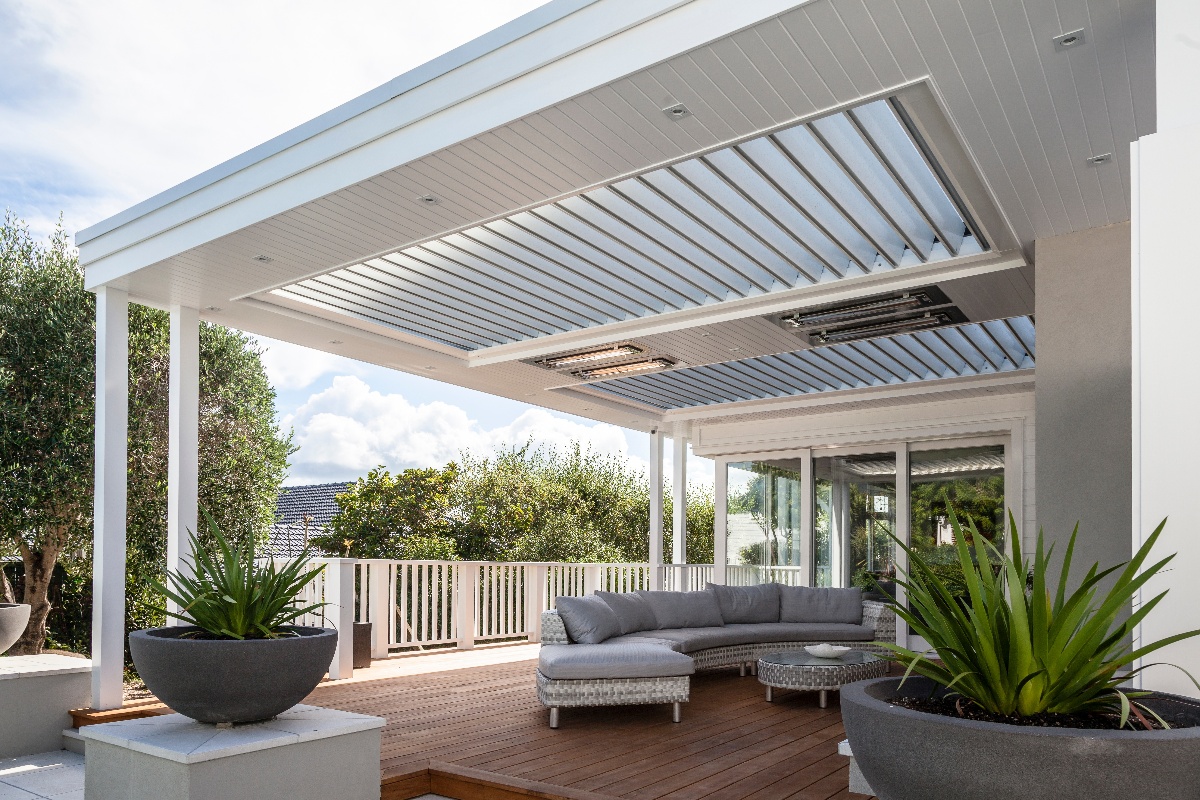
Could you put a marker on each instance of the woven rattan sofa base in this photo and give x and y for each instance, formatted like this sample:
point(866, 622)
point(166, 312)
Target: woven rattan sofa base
point(556, 694)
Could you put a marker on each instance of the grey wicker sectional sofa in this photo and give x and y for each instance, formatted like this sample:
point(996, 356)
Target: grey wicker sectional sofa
point(642, 647)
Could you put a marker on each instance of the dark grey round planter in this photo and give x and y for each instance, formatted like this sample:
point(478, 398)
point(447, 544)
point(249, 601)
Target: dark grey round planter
point(13, 619)
point(222, 680)
point(910, 755)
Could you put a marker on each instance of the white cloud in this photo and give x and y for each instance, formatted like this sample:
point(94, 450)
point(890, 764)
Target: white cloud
point(349, 428)
point(290, 366)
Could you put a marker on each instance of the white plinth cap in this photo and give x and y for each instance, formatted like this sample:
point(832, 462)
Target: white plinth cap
point(12, 667)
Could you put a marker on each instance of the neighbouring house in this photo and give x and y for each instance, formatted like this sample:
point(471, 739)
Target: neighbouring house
point(301, 512)
point(855, 253)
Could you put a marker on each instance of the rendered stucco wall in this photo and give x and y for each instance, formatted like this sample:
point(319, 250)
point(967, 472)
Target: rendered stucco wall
point(1084, 460)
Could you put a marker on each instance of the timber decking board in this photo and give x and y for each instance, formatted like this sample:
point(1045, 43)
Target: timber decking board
point(480, 734)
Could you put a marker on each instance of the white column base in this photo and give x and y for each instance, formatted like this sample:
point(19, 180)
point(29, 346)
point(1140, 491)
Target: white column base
point(36, 692)
point(306, 753)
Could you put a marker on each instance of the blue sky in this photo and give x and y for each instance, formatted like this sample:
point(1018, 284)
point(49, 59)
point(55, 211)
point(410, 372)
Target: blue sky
point(104, 103)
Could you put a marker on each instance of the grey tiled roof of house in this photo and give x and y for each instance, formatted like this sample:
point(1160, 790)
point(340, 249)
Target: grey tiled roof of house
point(289, 535)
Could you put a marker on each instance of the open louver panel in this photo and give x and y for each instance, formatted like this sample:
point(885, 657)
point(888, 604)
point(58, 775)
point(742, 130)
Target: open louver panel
point(997, 346)
point(845, 195)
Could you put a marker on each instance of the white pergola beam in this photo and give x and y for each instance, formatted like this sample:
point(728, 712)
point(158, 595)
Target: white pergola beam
point(108, 556)
point(679, 497)
point(656, 508)
point(183, 439)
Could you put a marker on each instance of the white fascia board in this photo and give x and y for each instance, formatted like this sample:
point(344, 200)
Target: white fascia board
point(1005, 380)
point(593, 45)
point(761, 305)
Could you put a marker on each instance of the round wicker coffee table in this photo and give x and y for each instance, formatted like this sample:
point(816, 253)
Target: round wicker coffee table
point(796, 669)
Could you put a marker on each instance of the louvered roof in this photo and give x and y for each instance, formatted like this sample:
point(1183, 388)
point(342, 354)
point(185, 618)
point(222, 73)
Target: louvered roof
point(993, 347)
point(846, 195)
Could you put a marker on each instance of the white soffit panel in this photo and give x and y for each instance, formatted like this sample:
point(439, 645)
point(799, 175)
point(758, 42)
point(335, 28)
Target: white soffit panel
point(845, 195)
point(986, 348)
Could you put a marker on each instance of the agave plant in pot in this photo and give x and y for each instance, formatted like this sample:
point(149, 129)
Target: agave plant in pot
point(238, 657)
point(1028, 694)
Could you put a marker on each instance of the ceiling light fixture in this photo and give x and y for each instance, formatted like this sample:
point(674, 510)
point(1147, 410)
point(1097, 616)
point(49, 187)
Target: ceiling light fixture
point(213, 309)
point(571, 359)
point(263, 259)
point(678, 111)
point(851, 313)
point(627, 369)
point(429, 200)
point(335, 341)
point(869, 317)
point(1069, 41)
point(1103, 158)
point(930, 320)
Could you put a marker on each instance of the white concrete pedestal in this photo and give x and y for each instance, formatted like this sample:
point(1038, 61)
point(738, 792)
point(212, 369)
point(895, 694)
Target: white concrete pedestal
point(306, 753)
point(36, 692)
point(857, 782)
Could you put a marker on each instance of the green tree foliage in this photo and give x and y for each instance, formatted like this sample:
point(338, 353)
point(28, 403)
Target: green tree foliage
point(404, 516)
point(47, 417)
point(47, 379)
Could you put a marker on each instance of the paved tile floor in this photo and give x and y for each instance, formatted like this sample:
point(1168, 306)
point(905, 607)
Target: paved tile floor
point(57, 775)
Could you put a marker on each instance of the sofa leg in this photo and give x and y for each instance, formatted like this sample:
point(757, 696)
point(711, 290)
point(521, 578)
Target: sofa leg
point(554, 717)
point(753, 667)
point(676, 713)
point(742, 669)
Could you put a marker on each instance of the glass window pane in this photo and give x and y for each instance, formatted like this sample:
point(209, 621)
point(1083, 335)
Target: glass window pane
point(854, 519)
point(763, 527)
point(969, 480)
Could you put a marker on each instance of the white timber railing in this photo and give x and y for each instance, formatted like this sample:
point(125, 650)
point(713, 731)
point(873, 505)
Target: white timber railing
point(438, 604)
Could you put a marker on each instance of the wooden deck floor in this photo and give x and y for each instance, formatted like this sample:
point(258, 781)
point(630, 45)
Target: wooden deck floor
point(479, 732)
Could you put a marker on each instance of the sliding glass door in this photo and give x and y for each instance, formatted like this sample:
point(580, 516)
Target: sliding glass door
point(765, 522)
point(854, 519)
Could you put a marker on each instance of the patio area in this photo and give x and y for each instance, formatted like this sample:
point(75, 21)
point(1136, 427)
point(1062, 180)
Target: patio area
point(468, 725)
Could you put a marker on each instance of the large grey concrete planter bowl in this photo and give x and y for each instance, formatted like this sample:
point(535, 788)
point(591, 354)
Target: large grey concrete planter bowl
point(221, 680)
point(910, 755)
point(13, 619)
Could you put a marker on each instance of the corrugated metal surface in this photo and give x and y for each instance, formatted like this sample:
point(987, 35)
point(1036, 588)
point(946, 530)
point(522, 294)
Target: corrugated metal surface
point(953, 352)
point(846, 195)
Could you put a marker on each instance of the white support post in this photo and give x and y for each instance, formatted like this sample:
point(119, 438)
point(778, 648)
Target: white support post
point(535, 599)
point(379, 606)
point(720, 521)
point(112, 472)
point(339, 594)
point(593, 578)
point(656, 509)
point(808, 568)
point(466, 582)
point(903, 532)
point(679, 498)
point(183, 391)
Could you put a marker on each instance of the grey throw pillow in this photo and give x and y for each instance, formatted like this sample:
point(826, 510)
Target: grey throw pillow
point(632, 610)
point(808, 604)
point(588, 620)
point(747, 603)
point(684, 609)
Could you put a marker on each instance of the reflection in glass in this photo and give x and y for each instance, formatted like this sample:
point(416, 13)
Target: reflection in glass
point(855, 516)
point(763, 527)
point(971, 481)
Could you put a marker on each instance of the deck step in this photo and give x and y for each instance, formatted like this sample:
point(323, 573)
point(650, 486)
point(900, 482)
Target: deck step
point(134, 709)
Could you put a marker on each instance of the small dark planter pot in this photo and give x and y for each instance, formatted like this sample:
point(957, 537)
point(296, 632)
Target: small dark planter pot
point(13, 619)
point(911, 755)
point(362, 645)
point(222, 680)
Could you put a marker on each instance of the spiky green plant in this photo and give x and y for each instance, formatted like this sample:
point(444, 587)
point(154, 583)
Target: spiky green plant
point(230, 596)
point(1018, 652)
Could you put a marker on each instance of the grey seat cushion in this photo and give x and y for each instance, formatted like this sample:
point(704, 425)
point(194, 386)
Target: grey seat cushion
point(763, 632)
point(592, 661)
point(689, 640)
point(747, 603)
point(632, 610)
point(588, 620)
point(684, 609)
point(642, 637)
point(809, 604)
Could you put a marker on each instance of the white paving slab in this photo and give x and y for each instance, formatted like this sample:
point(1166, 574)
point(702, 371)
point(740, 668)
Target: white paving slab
point(57, 775)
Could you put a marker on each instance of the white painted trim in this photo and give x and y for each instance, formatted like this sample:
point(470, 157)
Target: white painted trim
point(808, 553)
point(761, 305)
point(1135, 298)
point(702, 414)
point(903, 527)
point(182, 441)
point(721, 522)
point(112, 472)
point(656, 508)
point(679, 455)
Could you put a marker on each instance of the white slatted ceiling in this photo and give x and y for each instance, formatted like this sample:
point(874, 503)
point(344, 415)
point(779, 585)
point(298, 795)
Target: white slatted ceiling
point(845, 195)
point(958, 351)
point(1030, 115)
